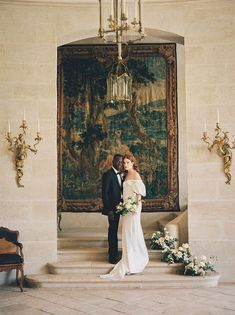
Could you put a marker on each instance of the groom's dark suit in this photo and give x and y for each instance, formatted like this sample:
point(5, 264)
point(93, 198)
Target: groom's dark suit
point(111, 196)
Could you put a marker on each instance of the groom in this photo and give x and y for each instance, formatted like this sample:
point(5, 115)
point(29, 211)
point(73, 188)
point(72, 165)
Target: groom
point(111, 196)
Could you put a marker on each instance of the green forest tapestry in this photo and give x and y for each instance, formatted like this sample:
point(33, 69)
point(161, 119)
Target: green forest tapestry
point(91, 131)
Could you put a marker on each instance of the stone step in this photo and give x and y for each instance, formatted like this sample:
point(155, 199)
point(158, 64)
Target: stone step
point(76, 242)
point(82, 254)
point(89, 239)
point(144, 281)
point(71, 243)
point(94, 254)
point(74, 267)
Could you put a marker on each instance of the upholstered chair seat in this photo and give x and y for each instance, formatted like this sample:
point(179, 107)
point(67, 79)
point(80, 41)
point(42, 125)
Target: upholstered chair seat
point(11, 254)
point(6, 259)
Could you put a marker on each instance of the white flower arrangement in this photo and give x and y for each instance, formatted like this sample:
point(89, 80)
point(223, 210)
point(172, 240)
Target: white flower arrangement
point(129, 206)
point(179, 255)
point(198, 267)
point(162, 240)
point(191, 265)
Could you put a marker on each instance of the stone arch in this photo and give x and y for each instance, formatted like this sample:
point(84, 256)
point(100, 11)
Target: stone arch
point(90, 36)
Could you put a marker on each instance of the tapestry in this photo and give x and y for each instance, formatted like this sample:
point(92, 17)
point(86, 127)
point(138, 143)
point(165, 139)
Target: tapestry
point(91, 131)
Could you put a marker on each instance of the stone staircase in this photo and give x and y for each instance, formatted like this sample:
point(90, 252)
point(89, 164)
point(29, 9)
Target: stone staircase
point(82, 257)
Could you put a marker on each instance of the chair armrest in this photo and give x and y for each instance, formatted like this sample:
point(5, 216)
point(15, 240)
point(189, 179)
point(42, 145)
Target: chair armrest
point(20, 245)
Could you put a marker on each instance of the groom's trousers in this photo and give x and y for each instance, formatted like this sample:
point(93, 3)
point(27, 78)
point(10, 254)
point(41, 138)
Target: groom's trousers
point(113, 237)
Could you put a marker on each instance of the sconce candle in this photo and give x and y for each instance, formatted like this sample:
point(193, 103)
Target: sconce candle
point(205, 126)
point(135, 14)
point(111, 7)
point(24, 114)
point(123, 6)
point(126, 11)
point(217, 116)
point(38, 125)
point(9, 126)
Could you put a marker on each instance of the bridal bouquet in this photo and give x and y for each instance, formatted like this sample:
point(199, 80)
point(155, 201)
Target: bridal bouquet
point(129, 206)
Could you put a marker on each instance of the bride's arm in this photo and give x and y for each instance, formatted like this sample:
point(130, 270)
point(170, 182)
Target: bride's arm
point(139, 189)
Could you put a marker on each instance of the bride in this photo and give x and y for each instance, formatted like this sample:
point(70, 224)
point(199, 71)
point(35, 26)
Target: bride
point(134, 251)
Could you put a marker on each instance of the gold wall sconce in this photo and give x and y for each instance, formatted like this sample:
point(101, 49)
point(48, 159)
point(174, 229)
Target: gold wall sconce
point(20, 148)
point(223, 148)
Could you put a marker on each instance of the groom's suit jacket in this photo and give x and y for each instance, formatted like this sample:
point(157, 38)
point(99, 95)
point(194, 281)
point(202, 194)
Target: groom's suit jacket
point(111, 191)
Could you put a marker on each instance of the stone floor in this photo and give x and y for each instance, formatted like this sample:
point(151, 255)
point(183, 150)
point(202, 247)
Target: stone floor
point(212, 301)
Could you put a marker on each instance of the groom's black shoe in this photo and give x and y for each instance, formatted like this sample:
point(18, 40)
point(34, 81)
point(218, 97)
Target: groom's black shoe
point(113, 260)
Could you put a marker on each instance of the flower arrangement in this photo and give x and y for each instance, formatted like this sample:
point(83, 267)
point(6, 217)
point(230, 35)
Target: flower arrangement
point(198, 267)
point(162, 240)
point(129, 206)
point(179, 255)
point(191, 265)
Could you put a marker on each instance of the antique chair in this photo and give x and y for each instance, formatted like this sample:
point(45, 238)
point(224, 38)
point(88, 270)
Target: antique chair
point(11, 255)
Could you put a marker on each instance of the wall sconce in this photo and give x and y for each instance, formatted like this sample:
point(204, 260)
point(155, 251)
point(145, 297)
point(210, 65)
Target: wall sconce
point(223, 148)
point(20, 148)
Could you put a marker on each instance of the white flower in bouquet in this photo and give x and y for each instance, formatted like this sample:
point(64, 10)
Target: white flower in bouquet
point(201, 264)
point(129, 206)
point(203, 258)
point(179, 254)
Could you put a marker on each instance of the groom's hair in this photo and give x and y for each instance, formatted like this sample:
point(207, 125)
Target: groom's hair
point(117, 156)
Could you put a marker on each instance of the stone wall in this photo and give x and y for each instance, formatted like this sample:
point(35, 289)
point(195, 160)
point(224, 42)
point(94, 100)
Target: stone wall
point(30, 32)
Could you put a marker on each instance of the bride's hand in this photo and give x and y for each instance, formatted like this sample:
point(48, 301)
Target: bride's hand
point(138, 198)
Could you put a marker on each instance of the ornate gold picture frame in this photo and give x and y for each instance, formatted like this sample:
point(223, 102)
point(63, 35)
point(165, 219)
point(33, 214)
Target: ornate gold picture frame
point(90, 131)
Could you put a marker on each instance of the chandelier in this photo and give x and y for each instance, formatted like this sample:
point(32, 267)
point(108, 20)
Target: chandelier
point(121, 28)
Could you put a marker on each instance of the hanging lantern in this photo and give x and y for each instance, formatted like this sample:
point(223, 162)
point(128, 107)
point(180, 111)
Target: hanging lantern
point(124, 26)
point(119, 84)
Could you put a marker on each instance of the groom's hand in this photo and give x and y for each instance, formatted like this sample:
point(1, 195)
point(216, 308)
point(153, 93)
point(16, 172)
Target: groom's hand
point(111, 215)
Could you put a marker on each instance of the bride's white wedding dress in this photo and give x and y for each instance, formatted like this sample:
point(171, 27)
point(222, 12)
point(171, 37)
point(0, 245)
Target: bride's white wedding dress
point(134, 251)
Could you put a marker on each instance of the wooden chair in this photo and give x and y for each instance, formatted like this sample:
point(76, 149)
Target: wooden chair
point(11, 254)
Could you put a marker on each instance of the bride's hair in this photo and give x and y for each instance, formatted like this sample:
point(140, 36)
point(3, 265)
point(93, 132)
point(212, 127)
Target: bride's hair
point(133, 160)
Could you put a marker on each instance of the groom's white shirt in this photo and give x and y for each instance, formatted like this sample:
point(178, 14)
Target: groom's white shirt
point(118, 176)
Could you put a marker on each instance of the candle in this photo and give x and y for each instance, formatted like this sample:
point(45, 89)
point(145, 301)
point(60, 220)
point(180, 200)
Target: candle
point(24, 114)
point(9, 126)
point(205, 126)
point(101, 17)
point(135, 16)
point(119, 51)
point(127, 12)
point(111, 8)
point(38, 125)
point(123, 6)
point(217, 115)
